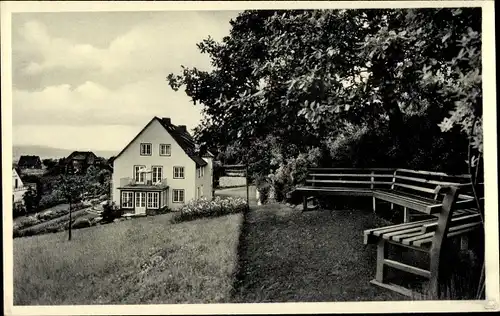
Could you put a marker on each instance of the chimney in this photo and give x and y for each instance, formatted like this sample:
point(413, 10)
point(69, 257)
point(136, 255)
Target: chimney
point(166, 120)
point(182, 128)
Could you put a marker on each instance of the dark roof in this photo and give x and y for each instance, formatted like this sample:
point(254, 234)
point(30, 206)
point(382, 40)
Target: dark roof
point(184, 139)
point(29, 161)
point(179, 134)
point(81, 155)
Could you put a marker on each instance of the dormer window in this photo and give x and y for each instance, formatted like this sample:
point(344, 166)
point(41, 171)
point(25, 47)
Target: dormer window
point(165, 150)
point(146, 149)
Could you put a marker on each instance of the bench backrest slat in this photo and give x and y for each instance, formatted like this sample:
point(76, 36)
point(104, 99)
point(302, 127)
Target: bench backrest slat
point(414, 182)
point(350, 177)
point(426, 183)
point(433, 173)
point(455, 221)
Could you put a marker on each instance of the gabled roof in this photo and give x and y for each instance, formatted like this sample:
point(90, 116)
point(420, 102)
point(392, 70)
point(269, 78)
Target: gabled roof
point(81, 155)
point(29, 161)
point(179, 134)
point(16, 171)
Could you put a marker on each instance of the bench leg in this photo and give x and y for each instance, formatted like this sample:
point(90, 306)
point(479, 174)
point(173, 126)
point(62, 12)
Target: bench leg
point(304, 202)
point(381, 256)
point(407, 215)
point(464, 243)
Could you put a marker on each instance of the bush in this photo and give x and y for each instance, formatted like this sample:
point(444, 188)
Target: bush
point(18, 210)
point(263, 188)
point(81, 223)
point(110, 212)
point(160, 211)
point(50, 200)
point(210, 208)
point(26, 222)
point(33, 231)
point(48, 215)
point(292, 172)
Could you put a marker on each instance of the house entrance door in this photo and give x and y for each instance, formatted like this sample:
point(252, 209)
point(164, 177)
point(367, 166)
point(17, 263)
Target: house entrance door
point(140, 202)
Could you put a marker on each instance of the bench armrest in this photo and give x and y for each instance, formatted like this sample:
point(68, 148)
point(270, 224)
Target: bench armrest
point(443, 188)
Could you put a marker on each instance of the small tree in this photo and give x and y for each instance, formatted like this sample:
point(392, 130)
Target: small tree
point(31, 200)
point(72, 187)
point(49, 163)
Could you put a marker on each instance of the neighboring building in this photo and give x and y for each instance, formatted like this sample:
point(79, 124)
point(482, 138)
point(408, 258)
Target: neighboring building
point(160, 167)
point(29, 162)
point(79, 161)
point(18, 188)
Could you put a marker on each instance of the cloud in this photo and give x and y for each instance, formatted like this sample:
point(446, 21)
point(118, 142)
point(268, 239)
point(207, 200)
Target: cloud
point(151, 46)
point(72, 92)
point(93, 104)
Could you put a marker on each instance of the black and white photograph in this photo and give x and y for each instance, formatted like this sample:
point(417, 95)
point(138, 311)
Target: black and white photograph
point(213, 157)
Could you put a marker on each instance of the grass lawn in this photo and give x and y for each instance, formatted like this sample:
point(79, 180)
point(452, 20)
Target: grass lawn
point(239, 192)
point(139, 261)
point(288, 256)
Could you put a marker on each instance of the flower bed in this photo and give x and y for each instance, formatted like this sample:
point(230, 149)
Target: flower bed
point(55, 212)
point(210, 208)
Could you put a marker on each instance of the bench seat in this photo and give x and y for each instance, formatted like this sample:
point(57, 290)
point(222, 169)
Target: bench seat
point(420, 233)
point(408, 200)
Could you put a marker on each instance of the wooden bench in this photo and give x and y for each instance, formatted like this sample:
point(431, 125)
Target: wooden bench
point(411, 189)
point(420, 191)
point(430, 236)
point(344, 182)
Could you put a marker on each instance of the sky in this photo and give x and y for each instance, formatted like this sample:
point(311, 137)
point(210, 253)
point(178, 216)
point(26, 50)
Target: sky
point(93, 80)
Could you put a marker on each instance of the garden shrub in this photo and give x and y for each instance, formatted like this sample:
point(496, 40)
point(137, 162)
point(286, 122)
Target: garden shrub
point(81, 223)
point(26, 222)
point(110, 212)
point(49, 200)
point(263, 188)
point(19, 210)
point(210, 208)
point(160, 211)
point(293, 172)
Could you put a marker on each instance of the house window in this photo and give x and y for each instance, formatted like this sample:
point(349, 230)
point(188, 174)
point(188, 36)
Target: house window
point(178, 196)
point(165, 150)
point(145, 149)
point(153, 200)
point(178, 172)
point(16, 184)
point(127, 199)
point(201, 172)
point(201, 190)
point(198, 192)
point(157, 173)
point(139, 176)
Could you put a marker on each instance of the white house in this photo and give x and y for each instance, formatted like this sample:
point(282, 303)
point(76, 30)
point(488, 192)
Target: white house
point(160, 167)
point(18, 188)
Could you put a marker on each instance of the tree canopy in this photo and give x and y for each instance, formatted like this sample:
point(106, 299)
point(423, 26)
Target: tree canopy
point(345, 82)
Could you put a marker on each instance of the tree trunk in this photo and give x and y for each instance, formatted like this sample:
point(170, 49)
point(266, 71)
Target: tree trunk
point(384, 79)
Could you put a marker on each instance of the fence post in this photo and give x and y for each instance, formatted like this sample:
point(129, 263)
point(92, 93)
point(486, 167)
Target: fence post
point(392, 187)
point(371, 187)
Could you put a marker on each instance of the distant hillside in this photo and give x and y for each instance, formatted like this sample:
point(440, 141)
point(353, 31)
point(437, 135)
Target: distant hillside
point(50, 152)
